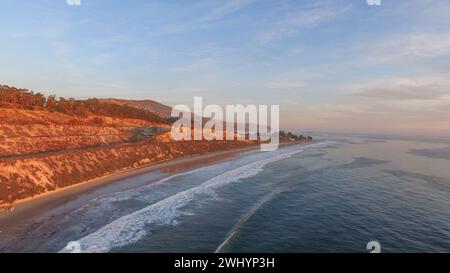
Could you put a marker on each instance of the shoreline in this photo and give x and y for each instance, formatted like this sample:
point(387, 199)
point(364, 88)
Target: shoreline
point(34, 206)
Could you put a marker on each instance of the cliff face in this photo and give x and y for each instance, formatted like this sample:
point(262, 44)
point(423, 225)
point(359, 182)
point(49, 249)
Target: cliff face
point(41, 151)
point(24, 132)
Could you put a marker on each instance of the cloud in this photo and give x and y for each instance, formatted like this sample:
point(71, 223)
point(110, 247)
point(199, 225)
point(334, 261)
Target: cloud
point(212, 14)
point(226, 8)
point(416, 104)
point(414, 46)
point(101, 59)
point(285, 85)
point(420, 98)
point(430, 87)
point(305, 17)
point(199, 65)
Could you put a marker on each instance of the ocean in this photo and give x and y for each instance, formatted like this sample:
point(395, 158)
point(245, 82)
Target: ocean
point(334, 195)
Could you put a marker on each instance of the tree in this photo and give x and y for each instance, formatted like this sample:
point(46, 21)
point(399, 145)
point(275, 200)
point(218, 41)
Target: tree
point(63, 106)
point(39, 100)
point(52, 103)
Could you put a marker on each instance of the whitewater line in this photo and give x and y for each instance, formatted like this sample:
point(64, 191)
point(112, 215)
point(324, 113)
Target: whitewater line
point(268, 197)
point(247, 216)
point(131, 228)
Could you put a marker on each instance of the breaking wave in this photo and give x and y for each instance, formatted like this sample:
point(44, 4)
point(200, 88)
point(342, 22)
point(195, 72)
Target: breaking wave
point(131, 228)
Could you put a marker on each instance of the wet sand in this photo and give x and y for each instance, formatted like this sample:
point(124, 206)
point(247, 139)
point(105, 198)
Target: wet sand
point(66, 199)
point(33, 207)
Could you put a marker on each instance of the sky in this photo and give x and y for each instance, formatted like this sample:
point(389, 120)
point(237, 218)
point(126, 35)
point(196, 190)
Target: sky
point(331, 65)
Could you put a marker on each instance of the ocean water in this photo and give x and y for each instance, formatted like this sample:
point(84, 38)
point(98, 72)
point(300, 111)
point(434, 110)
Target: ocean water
point(335, 195)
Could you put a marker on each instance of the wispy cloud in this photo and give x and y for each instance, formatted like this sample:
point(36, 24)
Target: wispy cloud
point(428, 87)
point(408, 47)
point(226, 8)
point(285, 85)
point(199, 65)
point(110, 40)
point(212, 14)
point(101, 59)
point(407, 104)
point(305, 17)
point(423, 97)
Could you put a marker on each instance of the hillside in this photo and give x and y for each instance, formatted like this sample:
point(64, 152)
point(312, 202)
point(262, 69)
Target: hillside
point(23, 177)
point(150, 105)
point(11, 97)
point(48, 143)
point(25, 132)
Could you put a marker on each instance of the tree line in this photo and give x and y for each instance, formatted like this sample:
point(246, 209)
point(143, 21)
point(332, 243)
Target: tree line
point(26, 99)
point(294, 136)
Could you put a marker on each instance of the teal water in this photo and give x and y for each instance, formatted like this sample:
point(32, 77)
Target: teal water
point(332, 196)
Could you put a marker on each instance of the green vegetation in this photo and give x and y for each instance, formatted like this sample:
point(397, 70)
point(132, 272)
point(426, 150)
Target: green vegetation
point(294, 137)
point(25, 99)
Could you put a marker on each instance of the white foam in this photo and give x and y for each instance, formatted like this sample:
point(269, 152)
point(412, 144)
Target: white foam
point(131, 228)
point(247, 216)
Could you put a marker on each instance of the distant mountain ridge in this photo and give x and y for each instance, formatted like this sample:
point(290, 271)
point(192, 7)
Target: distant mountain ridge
point(150, 105)
point(162, 110)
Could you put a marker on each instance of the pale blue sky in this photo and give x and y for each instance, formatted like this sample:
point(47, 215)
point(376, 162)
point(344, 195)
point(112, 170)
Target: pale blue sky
point(332, 65)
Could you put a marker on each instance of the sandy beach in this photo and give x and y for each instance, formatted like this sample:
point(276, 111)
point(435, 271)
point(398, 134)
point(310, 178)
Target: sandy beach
point(32, 207)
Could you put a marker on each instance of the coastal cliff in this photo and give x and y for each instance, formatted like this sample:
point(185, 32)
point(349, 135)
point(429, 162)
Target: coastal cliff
point(48, 144)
